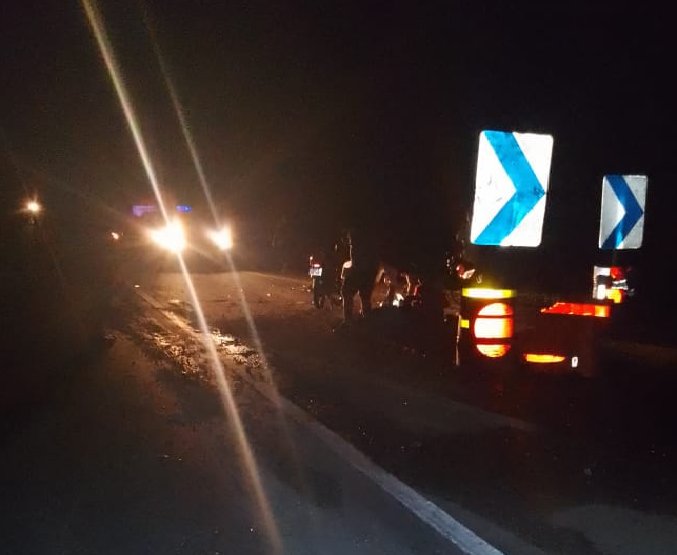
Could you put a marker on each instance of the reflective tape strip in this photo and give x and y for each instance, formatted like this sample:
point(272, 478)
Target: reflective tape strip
point(485, 293)
point(543, 358)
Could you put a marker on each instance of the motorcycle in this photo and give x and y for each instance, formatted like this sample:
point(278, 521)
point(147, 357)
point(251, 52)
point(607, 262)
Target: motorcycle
point(324, 284)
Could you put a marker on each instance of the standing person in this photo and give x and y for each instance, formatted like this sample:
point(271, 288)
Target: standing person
point(360, 276)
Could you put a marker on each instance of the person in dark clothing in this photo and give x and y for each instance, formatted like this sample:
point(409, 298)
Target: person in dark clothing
point(359, 275)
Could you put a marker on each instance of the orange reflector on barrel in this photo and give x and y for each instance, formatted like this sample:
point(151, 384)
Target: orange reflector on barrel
point(579, 309)
point(493, 351)
point(543, 359)
point(494, 321)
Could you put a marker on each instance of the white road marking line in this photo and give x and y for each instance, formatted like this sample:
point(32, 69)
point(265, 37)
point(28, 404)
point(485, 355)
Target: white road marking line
point(427, 511)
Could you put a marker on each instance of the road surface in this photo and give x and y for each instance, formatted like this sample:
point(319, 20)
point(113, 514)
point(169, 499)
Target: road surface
point(532, 463)
point(361, 443)
point(131, 457)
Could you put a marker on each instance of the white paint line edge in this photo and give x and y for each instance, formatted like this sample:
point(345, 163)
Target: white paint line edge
point(465, 539)
point(427, 511)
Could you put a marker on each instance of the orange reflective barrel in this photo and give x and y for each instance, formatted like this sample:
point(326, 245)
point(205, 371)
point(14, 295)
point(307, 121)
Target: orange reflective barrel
point(486, 323)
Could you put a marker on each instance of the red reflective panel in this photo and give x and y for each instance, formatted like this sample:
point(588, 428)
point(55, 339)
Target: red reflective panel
point(617, 273)
point(578, 309)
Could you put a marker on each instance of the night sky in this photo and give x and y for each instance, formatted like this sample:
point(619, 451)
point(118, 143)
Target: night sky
point(317, 113)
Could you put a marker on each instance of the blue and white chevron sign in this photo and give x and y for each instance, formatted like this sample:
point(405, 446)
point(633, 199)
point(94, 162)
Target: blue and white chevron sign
point(621, 223)
point(511, 188)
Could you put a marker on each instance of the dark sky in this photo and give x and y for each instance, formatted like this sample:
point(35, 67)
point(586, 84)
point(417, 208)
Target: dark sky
point(315, 111)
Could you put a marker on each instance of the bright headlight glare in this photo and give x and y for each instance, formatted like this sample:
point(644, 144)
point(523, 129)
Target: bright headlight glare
point(33, 206)
point(171, 237)
point(222, 238)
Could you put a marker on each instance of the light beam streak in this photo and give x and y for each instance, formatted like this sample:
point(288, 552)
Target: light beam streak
point(199, 169)
point(192, 148)
point(96, 23)
point(233, 414)
point(183, 123)
point(252, 473)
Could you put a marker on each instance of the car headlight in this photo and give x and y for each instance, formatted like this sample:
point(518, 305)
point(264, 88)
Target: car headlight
point(222, 238)
point(172, 237)
point(33, 207)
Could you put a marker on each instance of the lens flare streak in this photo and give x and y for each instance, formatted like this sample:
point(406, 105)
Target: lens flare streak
point(252, 473)
point(96, 23)
point(185, 129)
point(231, 410)
point(224, 242)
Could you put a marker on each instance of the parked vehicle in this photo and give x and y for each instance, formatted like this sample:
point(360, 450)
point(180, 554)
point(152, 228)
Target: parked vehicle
point(325, 283)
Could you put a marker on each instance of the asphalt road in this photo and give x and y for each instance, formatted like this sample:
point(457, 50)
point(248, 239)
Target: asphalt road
point(531, 463)
point(363, 442)
point(131, 456)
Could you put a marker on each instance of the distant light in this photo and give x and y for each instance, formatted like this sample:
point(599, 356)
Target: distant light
point(222, 238)
point(184, 208)
point(171, 237)
point(115, 235)
point(141, 209)
point(33, 206)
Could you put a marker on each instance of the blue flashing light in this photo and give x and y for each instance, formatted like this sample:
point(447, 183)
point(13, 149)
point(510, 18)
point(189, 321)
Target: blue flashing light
point(184, 208)
point(141, 209)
